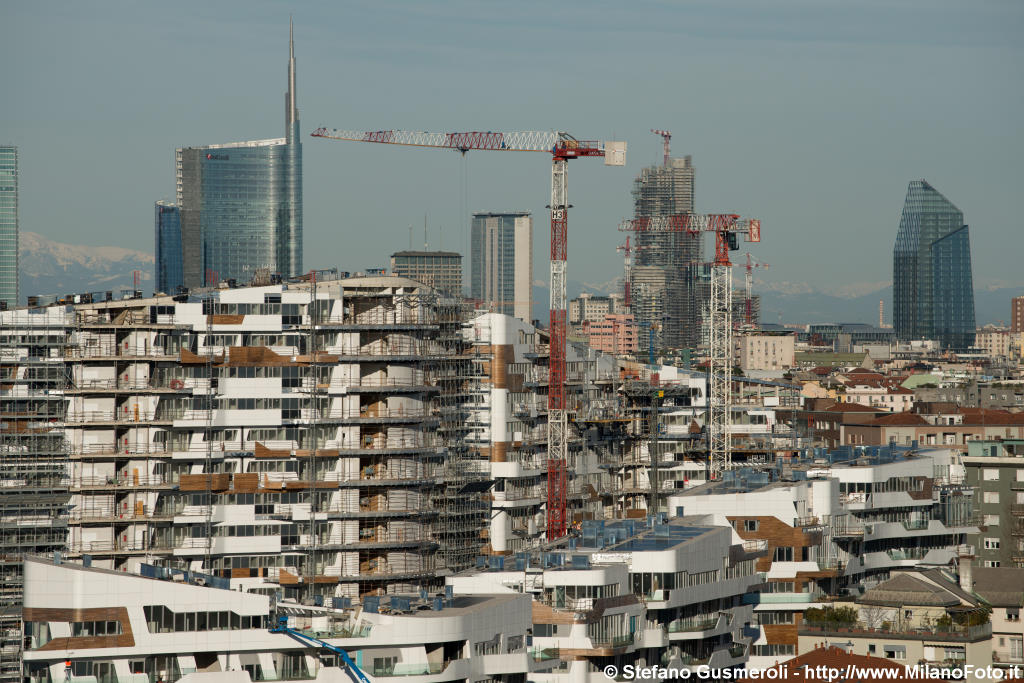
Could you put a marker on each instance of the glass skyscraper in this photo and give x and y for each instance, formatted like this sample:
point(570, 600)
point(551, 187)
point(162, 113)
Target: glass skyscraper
point(932, 289)
point(8, 226)
point(168, 248)
point(240, 204)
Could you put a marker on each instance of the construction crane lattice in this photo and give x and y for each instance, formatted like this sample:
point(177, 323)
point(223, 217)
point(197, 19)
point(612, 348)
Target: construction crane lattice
point(726, 227)
point(562, 147)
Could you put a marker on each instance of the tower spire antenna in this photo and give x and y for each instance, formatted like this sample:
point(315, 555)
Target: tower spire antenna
point(291, 110)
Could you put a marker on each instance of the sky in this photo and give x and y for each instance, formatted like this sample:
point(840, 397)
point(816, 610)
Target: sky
point(811, 115)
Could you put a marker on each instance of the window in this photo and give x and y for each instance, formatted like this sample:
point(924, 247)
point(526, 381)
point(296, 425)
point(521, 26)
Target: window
point(780, 587)
point(991, 520)
point(1013, 613)
point(383, 666)
point(990, 474)
point(750, 525)
point(773, 650)
point(991, 563)
point(871, 648)
point(991, 497)
point(783, 554)
point(773, 617)
point(895, 651)
point(991, 544)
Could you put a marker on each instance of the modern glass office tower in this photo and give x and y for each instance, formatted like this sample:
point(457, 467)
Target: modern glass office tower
point(168, 275)
point(8, 226)
point(501, 261)
point(932, 291)
point(241, 203)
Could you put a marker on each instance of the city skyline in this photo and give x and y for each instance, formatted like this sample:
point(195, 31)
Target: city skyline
point(822, 140)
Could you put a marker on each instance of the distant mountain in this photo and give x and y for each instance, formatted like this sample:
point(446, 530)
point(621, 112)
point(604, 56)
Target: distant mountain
point(50, 267)
point(802, 303)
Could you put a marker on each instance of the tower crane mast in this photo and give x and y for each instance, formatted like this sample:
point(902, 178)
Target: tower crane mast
point(562, 147)
point(726, 227)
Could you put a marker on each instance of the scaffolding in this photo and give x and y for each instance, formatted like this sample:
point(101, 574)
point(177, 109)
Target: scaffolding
point(34, 483)
point(666, 290)
point(464, 513)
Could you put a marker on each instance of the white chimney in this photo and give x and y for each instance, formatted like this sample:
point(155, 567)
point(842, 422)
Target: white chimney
point(965, 554)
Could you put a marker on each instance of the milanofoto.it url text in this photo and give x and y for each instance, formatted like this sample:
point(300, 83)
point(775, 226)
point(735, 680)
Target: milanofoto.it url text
point(923, 672)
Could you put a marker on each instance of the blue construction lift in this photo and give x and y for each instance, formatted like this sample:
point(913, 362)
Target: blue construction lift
point(354, 671)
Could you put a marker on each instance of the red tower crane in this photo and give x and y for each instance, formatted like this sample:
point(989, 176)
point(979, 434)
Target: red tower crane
point(666, 138)
point(749, 282)
point(562, 147)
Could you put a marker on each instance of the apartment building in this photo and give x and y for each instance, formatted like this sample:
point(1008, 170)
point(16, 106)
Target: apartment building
point(92, 624)
point(616, 334)
point(34, 486)
point(994, 342)
point(291, 432)
point(996, 469)
point(958, 428)
point(1002, 589)
point(588, 307)
point(837, 522)
point(634, 592)
point(763, 351)
point(507, 423)
point(916, 617)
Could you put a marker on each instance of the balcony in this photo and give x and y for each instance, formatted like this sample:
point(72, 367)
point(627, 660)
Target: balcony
point(412, 669)
point(545, 654)
point(899, 631)
point(779, 598)
point(613, 642)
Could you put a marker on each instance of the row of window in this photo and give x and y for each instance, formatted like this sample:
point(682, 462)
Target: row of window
point(993, 473)
point(645, 582)
point(773, 617)
point(160, 619)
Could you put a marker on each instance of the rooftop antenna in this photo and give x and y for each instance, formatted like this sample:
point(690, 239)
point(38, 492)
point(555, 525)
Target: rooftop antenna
point(424, 232)
point(410, 237)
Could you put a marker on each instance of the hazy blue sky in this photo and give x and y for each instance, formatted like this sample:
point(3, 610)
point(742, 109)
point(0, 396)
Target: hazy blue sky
point(809, 114)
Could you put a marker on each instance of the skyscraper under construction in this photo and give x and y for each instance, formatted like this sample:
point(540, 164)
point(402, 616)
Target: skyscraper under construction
point(666, 290)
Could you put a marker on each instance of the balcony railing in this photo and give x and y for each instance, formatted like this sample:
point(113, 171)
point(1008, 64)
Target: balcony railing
point(613, 641)
point(969, 633)
point(700, 622)
point(411, 669)
point(545, 654)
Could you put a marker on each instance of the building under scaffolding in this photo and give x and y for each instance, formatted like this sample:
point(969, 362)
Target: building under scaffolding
point(33, 458)
point(666, 290)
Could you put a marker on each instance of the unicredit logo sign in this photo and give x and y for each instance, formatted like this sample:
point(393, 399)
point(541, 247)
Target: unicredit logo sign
point(218, 157)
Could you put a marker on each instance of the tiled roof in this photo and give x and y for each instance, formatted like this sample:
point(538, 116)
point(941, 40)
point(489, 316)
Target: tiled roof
point(900, 420)
point(1000, 586)
point(842, 662)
